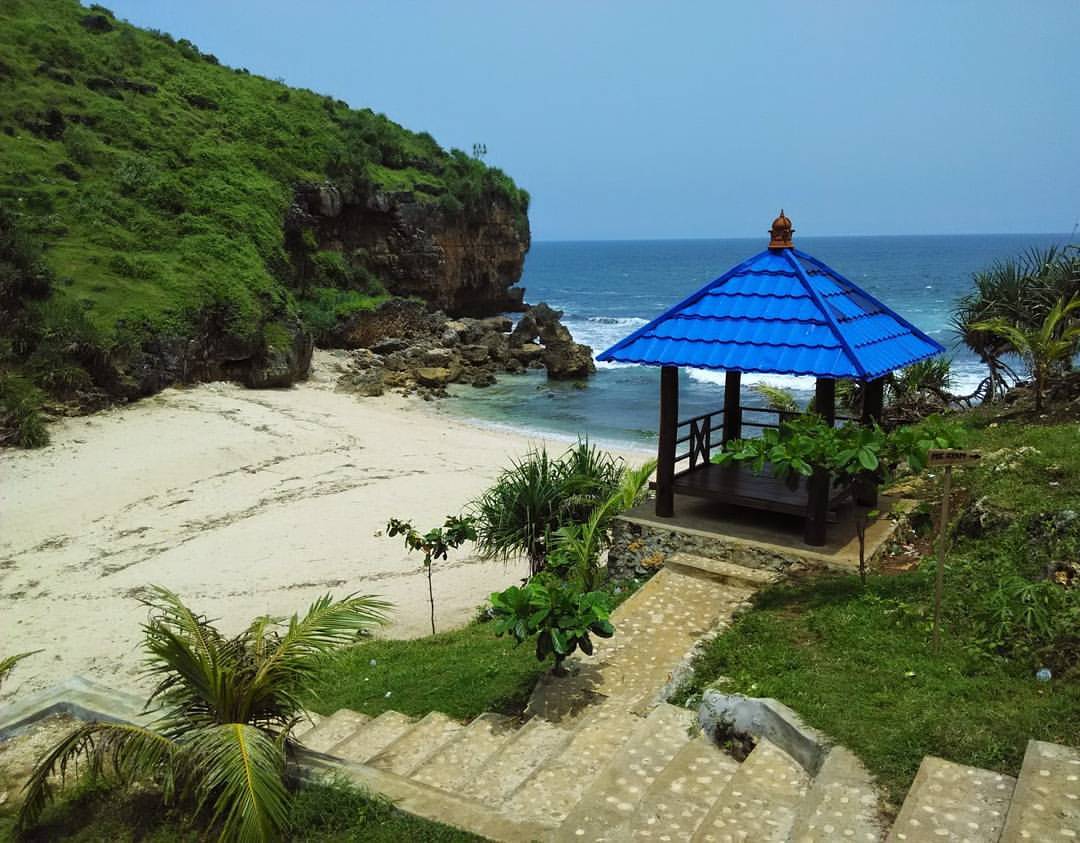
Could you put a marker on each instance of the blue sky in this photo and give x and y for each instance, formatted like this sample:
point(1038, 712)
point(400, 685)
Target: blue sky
point(684, 119)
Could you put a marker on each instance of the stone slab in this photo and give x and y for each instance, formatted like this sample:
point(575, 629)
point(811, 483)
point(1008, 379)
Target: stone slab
point(417, 744)
point(332, 730)
point(372, 738)
point(466, 754)
point(760, 801)
point(680, 798)
point(531, 745)
point(841, 804)
point(950, 803)
point(1046, 801)
point(556, 786)
point(608, 805)
point(737, 575)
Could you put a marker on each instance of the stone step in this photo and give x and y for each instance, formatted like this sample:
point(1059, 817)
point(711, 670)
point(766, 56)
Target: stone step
point(466, 753)
point(953, 802)
point(530, 746)
point(332, 730)
point(422, 740)
point(726, 572)
point(841, 803)
point(373, 738)
point(607, 806)
point(675, 804)
point(760, 800)
point(305, 727)
point(556, 785)
point(1046, 801)
point(655, 630)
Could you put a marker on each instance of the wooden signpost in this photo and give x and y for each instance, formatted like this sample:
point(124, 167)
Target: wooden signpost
point(945, 458)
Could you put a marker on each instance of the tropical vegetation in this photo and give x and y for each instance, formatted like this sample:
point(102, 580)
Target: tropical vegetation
point(1020, 292)
point(856, 660)
point(8, 664)
point(1046, 348)
point(538, 495)
point(223, 711)
point(143, 198)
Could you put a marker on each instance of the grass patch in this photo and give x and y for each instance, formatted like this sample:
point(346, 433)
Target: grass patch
point(857, 664)
point(461, 673)
point(330, 811)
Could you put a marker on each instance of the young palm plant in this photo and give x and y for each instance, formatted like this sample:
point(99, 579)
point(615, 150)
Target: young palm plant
point(1052, 344)
point(539, 494)
point(8, 664)
point(225, 709)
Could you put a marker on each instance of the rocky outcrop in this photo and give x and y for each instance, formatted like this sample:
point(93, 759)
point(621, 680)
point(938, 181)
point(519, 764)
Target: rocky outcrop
point(563, 358)
point(405, 346)
point(463, 263)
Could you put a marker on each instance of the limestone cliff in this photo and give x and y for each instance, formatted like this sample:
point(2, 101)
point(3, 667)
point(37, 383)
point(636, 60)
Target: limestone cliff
point(462, 261)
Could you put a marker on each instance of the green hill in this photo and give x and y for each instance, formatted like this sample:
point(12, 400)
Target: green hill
point(197, 221)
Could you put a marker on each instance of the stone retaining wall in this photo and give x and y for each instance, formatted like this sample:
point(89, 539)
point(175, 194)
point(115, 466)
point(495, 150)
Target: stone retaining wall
point(638, 549)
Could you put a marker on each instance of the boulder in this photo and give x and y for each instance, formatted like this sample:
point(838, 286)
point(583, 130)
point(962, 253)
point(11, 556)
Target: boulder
point(368, 382)
point(283, 361)
point(529, 353)
point(390, 345)
point(569, 361)
point(475, 353)
point(483, 379)
point(443, 357)
point(434, 375)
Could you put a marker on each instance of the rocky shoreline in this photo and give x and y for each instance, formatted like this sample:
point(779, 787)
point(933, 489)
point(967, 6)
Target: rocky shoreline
point(406, 347)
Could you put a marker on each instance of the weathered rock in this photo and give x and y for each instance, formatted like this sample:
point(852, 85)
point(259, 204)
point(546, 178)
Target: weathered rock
point(568, 361)
point(563, 358)
point(434, 375)
point(368, 382)
point(443, 357)
point(394, 319)
point(483, 379)
point(282, 362)
point(980, 518)
point(526, 354)
point(475, 353)
point(390, 345)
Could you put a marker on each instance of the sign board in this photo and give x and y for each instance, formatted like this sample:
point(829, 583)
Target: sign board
point(951, 456)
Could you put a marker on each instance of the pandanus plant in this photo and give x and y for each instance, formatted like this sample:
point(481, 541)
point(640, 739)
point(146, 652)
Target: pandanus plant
point(223, 708)
point(1051, 344)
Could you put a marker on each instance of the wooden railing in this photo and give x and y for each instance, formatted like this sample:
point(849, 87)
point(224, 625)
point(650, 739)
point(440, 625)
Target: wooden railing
point(701, 434)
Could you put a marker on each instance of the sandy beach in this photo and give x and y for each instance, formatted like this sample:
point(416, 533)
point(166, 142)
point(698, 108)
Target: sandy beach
point(244, 502)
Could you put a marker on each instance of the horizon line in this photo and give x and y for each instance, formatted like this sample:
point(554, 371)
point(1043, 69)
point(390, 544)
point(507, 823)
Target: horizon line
point(674, 239)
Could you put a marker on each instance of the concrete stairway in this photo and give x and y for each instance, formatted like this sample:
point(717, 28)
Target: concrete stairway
point(600, 757)
point(951, 802)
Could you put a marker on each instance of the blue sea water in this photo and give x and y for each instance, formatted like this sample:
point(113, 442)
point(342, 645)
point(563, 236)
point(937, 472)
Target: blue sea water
point(609, 288)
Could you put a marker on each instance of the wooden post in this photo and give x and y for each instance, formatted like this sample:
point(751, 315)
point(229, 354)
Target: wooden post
point(817, 498)
point(817, 507)
point(825, 399)
point(665, 454)
point(732, 407)
point(939, 579)
point(873, 405)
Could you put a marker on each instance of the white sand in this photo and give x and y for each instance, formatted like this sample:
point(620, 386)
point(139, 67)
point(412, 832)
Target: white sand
point(244, 502)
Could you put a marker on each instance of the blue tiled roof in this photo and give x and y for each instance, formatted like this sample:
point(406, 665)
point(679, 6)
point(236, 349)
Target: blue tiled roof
point(782, 312)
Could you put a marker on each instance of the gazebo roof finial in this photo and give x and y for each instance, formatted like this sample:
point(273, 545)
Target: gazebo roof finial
point(781, 232)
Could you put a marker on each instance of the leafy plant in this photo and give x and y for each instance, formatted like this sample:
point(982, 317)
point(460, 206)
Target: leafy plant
point(558, 613)
point(538, 495)
point(225, 708)
point(434, 544)
point(576, 548)
point(1048, 346)
point(778, 398)
point(21, 420)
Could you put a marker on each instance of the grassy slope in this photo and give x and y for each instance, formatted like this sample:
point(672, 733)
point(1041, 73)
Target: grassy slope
point(461, 673)
point(857, 663)
point(320, 814)
point(179, 195)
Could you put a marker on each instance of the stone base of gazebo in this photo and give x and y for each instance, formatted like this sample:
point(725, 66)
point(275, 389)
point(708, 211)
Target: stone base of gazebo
point(642, 540)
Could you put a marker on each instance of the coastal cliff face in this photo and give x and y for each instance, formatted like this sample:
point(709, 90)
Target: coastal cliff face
point(463, 263)
point(168, 219)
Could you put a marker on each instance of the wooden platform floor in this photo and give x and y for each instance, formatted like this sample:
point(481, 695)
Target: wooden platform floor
point(735, 483)
point(776, 530)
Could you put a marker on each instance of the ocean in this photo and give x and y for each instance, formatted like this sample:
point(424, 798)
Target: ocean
point(606, 289)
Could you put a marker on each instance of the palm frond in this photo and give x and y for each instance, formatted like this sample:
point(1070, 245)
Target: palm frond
point(777, 398)
point(241, 780)
point(8, 664)
point(122, 750)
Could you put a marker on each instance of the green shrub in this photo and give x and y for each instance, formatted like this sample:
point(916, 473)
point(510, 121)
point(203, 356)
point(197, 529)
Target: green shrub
point(21, 420)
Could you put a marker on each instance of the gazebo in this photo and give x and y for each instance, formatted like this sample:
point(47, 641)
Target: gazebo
point(779, 312)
